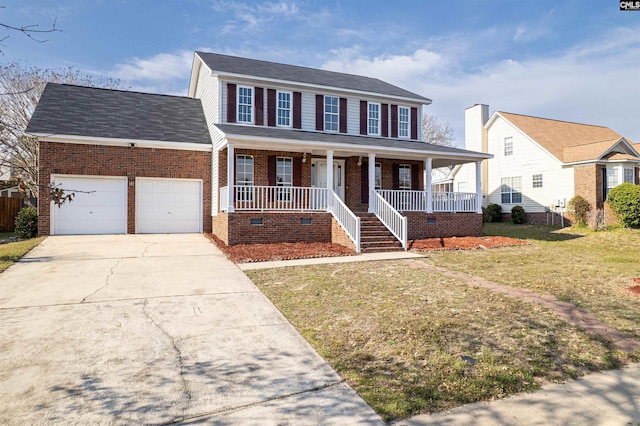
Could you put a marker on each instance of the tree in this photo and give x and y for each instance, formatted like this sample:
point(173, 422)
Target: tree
point(435, 132)
point(21, 87)
point(33, 31)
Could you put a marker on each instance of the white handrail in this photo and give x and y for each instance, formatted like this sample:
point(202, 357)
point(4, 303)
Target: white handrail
point(254, 197)
point(346, 218)
point(454, 201)
point(391, 218)
point(405, 200)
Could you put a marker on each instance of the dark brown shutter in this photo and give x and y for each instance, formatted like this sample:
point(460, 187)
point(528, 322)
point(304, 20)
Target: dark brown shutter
point(395, 179)
point(363, 117)
point(259, 98)
point(271, 170)
point(297, 171)
point(231, 103)
point(271, 107)
point(319, 112)
point(384, 118)
point(415, 177)
point(414, 123)
point(364, 183)
point(394, 121)
point(297, 110)
point(343, 115)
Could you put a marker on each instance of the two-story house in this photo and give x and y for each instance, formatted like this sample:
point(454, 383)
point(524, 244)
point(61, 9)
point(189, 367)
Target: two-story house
point(542, 163)
point(258, 152)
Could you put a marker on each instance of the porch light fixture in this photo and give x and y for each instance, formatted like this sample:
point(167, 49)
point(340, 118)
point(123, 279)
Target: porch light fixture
point(304, 157)
point(360, 161)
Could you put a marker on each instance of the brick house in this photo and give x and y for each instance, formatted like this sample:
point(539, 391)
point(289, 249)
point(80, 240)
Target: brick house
point(542, 163)
point(258, 152)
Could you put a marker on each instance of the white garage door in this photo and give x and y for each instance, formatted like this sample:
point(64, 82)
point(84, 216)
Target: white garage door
point(101, 207)
point(168, 205)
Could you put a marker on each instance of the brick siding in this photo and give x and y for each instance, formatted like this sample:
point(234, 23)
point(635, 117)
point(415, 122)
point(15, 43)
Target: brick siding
point(100, 160)
point(446, 225)
point(277, 227)
point(339, 235)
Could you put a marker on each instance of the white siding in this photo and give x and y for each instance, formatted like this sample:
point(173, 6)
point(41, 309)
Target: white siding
point(214, 182)
point(308, 110)
point(207, 92)
point(528, 159)
point(353, 116)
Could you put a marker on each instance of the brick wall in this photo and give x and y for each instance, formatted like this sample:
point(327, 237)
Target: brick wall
point(445, 225)
point(277, 227)
point(339, 235)
point(100, 160)
point(588, 182)
point(220, 226)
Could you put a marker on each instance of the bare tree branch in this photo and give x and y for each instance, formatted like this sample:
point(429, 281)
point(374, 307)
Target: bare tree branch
point(30, 30)
point(435, 132)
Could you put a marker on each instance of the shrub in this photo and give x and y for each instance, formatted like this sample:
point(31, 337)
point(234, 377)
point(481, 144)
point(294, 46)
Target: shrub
point(517, 215)
point(27, 223)
point(495, 212)
point(624, 200)
point(485, 215)
point(579, 209)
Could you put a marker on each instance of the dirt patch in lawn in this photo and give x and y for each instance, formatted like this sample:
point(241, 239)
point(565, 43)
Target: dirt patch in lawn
point(246, 253)
point(464, 243)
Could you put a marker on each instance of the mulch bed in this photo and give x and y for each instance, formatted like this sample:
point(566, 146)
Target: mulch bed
point(245, 253)
point(464, 243)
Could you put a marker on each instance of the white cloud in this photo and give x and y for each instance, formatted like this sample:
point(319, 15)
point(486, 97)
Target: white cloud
point(161, 67)
point(253, 14)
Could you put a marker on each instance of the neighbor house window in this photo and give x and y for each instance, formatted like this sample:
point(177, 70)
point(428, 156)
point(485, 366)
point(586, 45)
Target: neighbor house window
point(374, 119)
point(613, 179)
point(245, 104)
point(537, 181)
point(378, 176)
point(508, 146)
point(244, 177)
point(511, 190)
point(403, 122)
point(284, 109)
point(331, 113)
point(404, 177)
point(628, 175)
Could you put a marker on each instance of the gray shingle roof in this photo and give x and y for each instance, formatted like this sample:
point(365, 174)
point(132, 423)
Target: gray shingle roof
point(87, 111)
point(294, 73)
point(364, 141)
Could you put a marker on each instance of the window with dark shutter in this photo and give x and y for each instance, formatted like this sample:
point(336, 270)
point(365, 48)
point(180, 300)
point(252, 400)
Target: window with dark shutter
point(343, 115)
point(259, 99)
point(297, 110)
point(384, 120)
point(271, 107)
point(364, 183)
point(319, 112)
point(394, 121)
point(414, 123)
point(363, 117)
point(231, 103)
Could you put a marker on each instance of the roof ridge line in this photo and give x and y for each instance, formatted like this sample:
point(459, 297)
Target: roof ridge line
point(559, 121)
point(120, 90)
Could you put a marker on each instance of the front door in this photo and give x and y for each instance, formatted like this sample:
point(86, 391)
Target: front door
point(319, 175)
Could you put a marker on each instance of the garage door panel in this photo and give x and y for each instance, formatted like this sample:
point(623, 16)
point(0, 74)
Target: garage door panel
point(168, 206)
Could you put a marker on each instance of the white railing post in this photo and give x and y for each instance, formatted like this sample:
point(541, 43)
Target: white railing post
point(427, 184)
point(479, 187)
point(346, 218)
point(372, 180)
point(392, 219)
point(230, 174)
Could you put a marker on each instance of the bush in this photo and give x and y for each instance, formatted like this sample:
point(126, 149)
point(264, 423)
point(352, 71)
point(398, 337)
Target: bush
point(624, 200)
point(579, 209)
point(517, 215)
point(27, 223)
point(495, 212)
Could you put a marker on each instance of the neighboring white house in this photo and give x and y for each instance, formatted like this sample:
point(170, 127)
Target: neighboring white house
point(541, 163)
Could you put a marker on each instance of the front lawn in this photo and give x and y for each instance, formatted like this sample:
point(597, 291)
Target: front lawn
point(413, 341)
point(11, 252)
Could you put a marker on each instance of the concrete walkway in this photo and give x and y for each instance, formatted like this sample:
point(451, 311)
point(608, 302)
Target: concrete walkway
point(154, 329)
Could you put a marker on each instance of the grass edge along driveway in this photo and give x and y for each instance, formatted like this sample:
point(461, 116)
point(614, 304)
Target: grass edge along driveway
point(11, 252)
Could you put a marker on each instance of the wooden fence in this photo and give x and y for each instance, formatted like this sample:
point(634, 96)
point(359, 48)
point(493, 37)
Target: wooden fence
point(9, 208)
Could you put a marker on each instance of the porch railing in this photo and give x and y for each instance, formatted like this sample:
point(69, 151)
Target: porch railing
point(346, 218)
point(391, 218)
point(252, 197)
point(416, 201)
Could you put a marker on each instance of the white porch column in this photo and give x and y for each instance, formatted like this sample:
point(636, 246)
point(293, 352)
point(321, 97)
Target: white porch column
point(479, 186)
point(428, 162)
point(231, 162)
point(330, 172)
point(372, 180)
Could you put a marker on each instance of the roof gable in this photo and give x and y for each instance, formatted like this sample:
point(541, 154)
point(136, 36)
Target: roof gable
point(66, 109)
point(297, 74)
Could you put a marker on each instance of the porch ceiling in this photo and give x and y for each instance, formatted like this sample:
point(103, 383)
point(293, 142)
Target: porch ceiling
point(343, 145)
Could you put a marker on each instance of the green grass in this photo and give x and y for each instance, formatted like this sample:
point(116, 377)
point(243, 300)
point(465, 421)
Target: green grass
point(11, 252)
point(397, 332)
point(4, 235)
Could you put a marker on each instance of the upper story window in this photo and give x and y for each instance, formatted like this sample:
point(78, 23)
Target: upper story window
point(374, 119)
point(511, 190)
point(404, 177)
point(403, 122)
point(245, 104)
point(537, 180)
point(331, 113)
point(378, 176)
point(284, 109)
point(508, 146)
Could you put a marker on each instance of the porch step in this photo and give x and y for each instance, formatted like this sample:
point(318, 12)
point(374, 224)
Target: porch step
point(375, 237)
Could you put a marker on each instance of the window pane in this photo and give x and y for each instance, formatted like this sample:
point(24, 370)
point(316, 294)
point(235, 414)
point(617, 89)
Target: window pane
point(284, 176)
point(378, 176)
point(403, 122)
point(284, 109)
point(374, 119)
point(405, 176)
point(508, 146)
point(331, 113)
point(628, 175)
point(245, 104)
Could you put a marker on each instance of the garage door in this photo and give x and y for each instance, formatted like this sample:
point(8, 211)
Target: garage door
point(101, 207)
point(168, 206)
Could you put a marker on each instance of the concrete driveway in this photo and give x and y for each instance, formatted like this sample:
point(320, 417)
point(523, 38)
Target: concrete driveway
point(154, 329)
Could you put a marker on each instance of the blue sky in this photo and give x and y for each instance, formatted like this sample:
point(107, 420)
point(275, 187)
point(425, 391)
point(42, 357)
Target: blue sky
point(570, 60)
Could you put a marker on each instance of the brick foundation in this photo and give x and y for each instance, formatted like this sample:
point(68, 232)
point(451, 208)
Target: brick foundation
point(277, 227)
point(339, 235)
point(100, 160)
point(445, 225)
